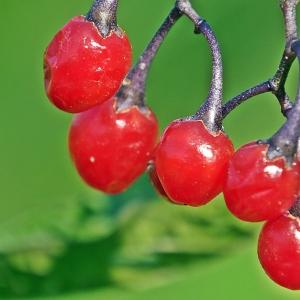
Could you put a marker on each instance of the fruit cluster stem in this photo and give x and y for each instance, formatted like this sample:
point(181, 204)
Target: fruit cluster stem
point(276, 84)
point(211, 111)
point(104, 14)
point(285, 141)
point(133, 89)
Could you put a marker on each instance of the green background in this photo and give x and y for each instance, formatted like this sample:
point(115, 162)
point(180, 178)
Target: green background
point(62, 240)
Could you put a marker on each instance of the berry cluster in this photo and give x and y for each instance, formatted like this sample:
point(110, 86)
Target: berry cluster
point(113, 138)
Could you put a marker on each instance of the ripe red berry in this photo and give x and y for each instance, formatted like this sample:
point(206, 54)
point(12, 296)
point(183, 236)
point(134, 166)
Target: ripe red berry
point(259, 189)
point(279, 250)
point(155, 180)
point(111, 148)
point(157, 184)
point(191, 162)
point(82, 68)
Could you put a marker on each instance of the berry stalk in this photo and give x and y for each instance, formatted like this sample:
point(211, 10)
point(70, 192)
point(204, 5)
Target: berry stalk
point(104, 14)
point(285, 141)
point(132, 92)
point(211, 111)
point(251, 92)
point(288, 8)
point(276, 84)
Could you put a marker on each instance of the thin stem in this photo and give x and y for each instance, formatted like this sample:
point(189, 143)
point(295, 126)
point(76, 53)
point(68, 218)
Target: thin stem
point(277, 82)
point(132, 91)
point(285, 141)
point(141, 69)
point(291, 35)
point(104, 14)
point(237, 100)
point(288, 8)
point(211, 111)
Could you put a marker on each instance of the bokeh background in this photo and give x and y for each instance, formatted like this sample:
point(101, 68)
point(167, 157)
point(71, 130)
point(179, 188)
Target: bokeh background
point(61, 240)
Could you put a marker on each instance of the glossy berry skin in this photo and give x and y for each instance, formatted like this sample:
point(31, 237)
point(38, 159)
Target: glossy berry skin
point(279, 250)
point(191, 162)
point(155, 181)
point(83, 69)
point(157, 184)
point(259, 189)
point(111, 149)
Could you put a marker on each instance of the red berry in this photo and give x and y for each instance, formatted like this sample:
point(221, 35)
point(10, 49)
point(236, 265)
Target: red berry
point(83, 69)
point(155, 180)
point(259, 189)
point(157, 184)
point(191, 162)
point(111, 148)
point(279, 250)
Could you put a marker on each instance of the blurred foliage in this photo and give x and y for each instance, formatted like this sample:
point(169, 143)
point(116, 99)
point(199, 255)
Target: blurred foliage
point(61, 240)
point(88, 243)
